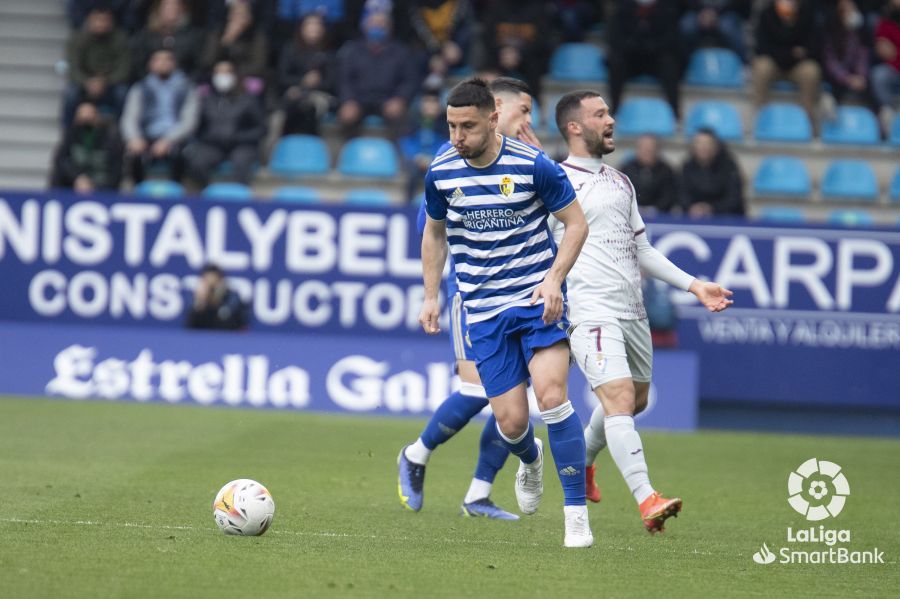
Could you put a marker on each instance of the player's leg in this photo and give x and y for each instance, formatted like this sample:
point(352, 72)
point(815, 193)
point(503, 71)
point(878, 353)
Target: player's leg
point(492, 454)
point(450, 417)
point(549, 368)
point(504, 371)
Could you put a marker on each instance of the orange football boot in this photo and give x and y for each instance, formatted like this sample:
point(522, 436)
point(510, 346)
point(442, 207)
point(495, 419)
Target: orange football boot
point(592, 491)
point(656, 509)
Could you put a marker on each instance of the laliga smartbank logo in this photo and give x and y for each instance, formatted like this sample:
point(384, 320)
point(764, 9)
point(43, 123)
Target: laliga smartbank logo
point(818, 490)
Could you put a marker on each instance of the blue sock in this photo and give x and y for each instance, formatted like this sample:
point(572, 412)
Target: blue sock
point(492, 452)
point(567, 445)
point(523, 447)
point(450, 417)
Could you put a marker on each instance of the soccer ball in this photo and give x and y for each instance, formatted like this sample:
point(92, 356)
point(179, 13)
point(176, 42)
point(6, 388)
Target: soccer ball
point(244, 507)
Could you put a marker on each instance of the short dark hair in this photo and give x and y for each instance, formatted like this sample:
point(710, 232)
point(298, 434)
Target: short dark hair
point(509, 85)
point(212, 269)
point(568, 105)
point(472, 92)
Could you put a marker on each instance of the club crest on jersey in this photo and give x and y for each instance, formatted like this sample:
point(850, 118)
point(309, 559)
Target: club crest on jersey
point(507, 186)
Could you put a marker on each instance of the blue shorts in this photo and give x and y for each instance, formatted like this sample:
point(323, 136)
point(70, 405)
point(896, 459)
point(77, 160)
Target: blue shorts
point(504, 345)
point(459, 330)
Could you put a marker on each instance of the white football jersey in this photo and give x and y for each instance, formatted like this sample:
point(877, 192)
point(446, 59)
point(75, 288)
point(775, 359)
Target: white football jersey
point(606, 279)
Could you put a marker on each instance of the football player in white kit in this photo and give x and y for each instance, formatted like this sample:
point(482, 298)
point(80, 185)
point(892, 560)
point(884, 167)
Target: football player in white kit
point(609, 333)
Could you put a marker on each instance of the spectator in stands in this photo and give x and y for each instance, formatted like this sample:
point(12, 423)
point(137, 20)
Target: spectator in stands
point(376, 75)
point(160, 114)
point(643, 39)
point(168, 28)
point(306, 73)
point(886, 76)
point(123, 12)
point(239, 41)
point(232, 125)
point(574, 18)
point(715, 23)
point(654, 180)
point(215, 306)
point(711, 181)
point(786, 49)
point(845, 57)
point(515, 38)
point(98, 65)
point(289, 14)
point(443, 28)
point(90, 155)
point(427, 132)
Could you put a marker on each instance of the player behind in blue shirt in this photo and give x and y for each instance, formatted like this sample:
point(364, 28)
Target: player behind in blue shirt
point(513, 100)
point(489, 197)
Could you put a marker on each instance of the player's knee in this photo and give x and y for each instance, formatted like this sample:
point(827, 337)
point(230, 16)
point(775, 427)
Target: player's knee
point(552, 396)
point(512, 426)
point(618, 397)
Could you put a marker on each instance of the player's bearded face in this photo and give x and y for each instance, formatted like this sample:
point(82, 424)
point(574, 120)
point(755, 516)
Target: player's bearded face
point(470, 130)
point(597, 127)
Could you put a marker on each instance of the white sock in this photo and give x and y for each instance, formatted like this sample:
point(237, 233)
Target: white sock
point(417, 453)
point(479, 489)
point(628, 453)
point(594, 435)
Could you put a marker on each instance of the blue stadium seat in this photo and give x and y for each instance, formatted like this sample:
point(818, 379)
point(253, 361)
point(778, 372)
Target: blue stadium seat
point(782, 176)
point(894, 191)
point(368, 196)
point(301, 195)
point(782, 122)
point(783, 215)
point(373, 120)
point(894, 137)
point(158, 188)
point(368, 157)
point(849, 180)
point(852, 125)
point(637, 116)
point(578, 62)
point(721, 117)
point(851, 218)
point(298, 155)
point(228, 191)
point(715, 67)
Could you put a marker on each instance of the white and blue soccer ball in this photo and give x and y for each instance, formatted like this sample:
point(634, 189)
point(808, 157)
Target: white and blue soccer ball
point(244, 507)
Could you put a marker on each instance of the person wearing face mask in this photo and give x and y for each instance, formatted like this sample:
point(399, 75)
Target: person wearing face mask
point(845, 58)
point(99, 64)
point(160, 114)
point(232, 125)
point(376, 75)
point(886, 76)
point(786, 47)
point(90, 155)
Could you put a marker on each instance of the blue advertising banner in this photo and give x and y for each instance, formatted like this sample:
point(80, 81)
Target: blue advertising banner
point(378, 375)
point(816, 316)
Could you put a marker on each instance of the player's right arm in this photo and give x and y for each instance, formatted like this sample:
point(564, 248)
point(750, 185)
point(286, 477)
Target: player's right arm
point(434, 254)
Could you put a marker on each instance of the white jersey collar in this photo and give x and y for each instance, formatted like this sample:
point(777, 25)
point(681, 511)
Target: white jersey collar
point(592, 165)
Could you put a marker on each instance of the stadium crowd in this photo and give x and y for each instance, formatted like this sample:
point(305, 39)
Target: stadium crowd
point(189, 88)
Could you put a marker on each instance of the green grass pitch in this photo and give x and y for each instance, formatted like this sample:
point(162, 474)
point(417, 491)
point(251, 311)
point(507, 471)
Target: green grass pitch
point(114, 500)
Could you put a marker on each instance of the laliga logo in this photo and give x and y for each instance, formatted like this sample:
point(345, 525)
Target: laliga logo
point(818, 489)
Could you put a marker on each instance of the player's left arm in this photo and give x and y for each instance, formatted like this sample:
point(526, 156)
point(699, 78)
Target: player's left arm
point(557, 193)
point(712, 295)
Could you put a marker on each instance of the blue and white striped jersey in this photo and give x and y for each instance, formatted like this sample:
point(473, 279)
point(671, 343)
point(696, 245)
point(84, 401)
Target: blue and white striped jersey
point(497, 222)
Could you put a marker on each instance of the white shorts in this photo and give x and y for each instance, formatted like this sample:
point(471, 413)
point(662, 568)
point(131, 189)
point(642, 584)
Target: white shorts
point(611, 349)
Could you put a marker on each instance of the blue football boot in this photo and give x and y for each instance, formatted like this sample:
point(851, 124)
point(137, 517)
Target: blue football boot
point(485, 508)
point(410, 482)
